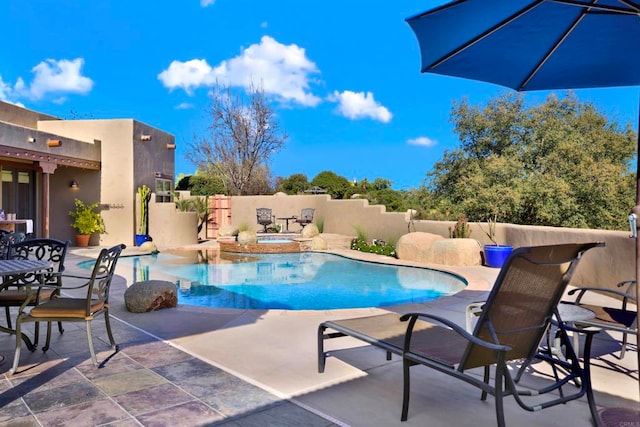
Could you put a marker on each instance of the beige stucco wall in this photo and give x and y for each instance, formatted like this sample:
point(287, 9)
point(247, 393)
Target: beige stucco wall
point(169, 227)
point(114, 190)
point(601, 266)
point(127, 163)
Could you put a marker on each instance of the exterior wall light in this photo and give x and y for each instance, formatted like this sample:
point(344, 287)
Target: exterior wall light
point(171, 146)
point(144, 137)
point(74, 185)
point(31, 139)
point(54, 142)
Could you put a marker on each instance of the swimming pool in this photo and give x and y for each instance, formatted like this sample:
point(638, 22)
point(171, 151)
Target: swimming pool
point(291, 281)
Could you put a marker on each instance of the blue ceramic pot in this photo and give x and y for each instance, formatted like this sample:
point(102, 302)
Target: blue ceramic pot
point(496, 255)
point(141, 238)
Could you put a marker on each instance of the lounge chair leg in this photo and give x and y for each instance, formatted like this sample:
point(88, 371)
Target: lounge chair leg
point(499, 384)
point(321, 356)
point(624, 344)
point(486, 381)
point(405, 389)
point(587, 381)
point(60, 328)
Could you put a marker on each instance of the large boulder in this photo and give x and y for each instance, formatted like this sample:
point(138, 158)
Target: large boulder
point(455, 252)
point(435, 249)
point(228, 230)
point(414, 246)
point(246, 237)
point(319, 244)
point(150, 295)
point(310, 231)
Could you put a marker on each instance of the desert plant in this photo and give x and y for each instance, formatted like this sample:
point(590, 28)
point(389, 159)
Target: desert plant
point(320, 224)
point(145, 195)
point(360, 233)
point(85, 219)
point(461, 229)
point(491, 225)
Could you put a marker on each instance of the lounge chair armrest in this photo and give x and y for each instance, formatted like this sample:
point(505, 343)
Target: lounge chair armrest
point(413, 317)
point(569, 326)
point(582, 291)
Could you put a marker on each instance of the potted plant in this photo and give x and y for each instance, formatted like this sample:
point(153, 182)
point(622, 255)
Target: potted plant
point(86, 221)
point(143, 224)
point(494, 254)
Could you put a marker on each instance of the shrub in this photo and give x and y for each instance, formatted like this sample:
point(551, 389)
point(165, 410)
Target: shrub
point(379, 247)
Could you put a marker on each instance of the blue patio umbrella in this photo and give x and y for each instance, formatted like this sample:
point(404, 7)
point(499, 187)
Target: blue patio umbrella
point(536, 45)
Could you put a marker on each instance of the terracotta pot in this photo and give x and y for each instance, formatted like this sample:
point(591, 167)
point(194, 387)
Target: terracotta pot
point(82, 239)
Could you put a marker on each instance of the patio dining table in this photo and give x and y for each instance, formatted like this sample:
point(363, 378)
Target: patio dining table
point(17, 267)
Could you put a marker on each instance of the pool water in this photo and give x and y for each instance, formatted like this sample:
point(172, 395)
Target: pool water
point(292, 281)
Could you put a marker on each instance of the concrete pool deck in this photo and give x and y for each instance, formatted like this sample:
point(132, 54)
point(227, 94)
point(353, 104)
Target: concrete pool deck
point(260, 368)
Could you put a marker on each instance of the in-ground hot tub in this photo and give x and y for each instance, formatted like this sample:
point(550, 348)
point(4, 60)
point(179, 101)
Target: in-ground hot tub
point(275, 244)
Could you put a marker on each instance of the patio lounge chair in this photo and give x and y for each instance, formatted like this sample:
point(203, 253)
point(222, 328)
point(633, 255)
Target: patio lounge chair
point(93, 303)
point(306, 217)
point(264, 217)
point(513, 322)
point(619, 319)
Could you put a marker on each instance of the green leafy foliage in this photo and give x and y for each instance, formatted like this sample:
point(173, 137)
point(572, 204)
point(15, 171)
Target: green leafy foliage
point(560, 163)
point(85, 219)
point(377, 247)
point(294, 184)
point(201, 184)
point(335, 185)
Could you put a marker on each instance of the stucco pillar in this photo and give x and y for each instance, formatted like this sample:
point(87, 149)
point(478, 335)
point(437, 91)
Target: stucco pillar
point(47, 170)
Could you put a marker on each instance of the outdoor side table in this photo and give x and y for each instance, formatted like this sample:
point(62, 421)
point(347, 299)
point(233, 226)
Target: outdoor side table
point(17, 267)
point(286, 219)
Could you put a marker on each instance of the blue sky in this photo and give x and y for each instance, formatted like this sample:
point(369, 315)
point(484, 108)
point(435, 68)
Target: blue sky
point(343, 76)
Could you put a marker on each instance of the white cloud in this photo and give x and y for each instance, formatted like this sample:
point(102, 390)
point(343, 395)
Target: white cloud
point(360, 105)
point(281, 70)
point(205, 3)
point(422, 141)
point(184, 106)
point(63, 76)
point(187, 75)
point(5, 90)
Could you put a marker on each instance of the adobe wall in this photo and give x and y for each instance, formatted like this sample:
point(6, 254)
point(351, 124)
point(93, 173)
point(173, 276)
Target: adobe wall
point(602, 266)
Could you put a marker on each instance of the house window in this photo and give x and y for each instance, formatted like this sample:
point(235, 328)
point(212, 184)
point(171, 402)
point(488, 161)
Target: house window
point(163, 190)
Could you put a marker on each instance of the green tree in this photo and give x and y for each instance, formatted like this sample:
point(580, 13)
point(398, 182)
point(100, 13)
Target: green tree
point(561, 163)
point(244, 134)
point(294, 184)
point(201, 184)
point(335, 185)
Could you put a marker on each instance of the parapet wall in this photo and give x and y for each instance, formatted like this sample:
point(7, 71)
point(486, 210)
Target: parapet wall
point(601, 266)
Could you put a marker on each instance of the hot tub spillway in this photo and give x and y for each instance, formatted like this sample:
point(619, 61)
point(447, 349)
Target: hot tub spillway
point(275, 244)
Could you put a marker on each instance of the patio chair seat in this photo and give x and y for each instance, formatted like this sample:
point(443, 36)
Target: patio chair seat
point(62, 308)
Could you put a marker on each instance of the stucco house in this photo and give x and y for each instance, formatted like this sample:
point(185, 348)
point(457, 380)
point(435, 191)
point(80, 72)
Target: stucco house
point(46, 162)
